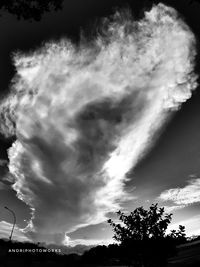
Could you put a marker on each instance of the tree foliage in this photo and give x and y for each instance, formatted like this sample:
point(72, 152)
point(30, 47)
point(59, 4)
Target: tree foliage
point(141, 224)
point(142, 236)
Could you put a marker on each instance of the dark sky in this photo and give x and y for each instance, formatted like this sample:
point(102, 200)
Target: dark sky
point(172, 163)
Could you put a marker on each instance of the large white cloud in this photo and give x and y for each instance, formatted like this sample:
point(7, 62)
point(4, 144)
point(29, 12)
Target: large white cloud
point(84, 116)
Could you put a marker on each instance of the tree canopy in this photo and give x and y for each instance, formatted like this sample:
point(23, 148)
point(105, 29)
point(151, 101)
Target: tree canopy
point(141, 224)
point(143, 238)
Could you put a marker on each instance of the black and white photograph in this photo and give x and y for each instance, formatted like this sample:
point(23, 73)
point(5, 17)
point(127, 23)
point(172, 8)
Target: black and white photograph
point(100, 133)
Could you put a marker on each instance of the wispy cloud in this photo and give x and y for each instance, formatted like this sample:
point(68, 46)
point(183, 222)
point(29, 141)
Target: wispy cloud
point(85, 116)
point(5, 230)
point(171, 208)
point(5, 178)
point(183, 196)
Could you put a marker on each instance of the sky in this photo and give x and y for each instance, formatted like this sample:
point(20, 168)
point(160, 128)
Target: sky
point(99, 111)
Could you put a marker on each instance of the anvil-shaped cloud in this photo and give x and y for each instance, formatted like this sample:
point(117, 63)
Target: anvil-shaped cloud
point(85, 115)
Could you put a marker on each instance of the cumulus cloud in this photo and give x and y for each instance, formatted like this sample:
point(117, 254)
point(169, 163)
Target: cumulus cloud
point(183, 196)
point(85, 115)
point(5, 230)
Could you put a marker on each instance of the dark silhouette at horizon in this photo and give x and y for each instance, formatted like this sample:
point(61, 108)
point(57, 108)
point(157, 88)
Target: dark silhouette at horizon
point(142, 242)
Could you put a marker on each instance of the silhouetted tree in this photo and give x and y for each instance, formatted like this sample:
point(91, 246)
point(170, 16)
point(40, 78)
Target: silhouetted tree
point(30, 9)
point(98, 254)
point(178, 235)
point(143, 239)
